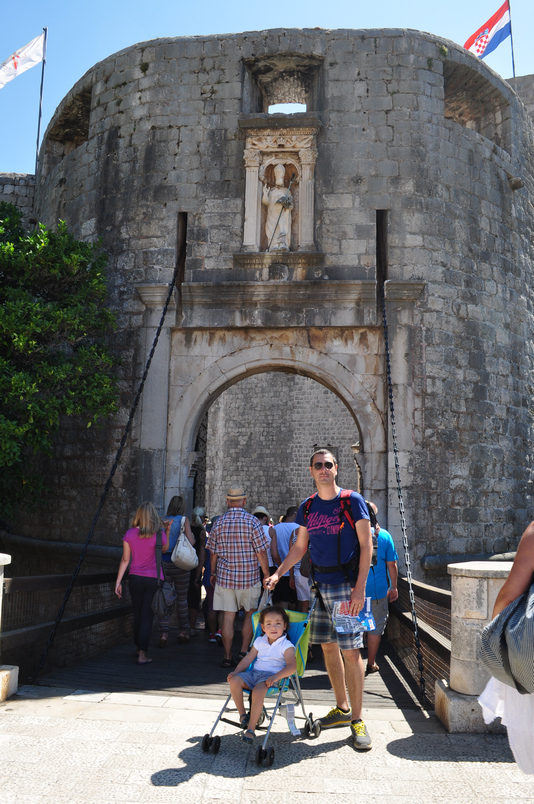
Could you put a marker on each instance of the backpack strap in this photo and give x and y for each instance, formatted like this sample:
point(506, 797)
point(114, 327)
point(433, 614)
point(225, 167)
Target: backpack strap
point(307, 506)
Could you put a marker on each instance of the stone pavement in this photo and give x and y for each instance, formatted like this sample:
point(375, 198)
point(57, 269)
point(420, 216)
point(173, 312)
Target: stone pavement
point(61, 746)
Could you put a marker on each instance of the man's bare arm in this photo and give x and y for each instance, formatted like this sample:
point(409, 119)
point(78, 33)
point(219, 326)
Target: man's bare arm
point(264, 564)
point(274, 547)
point(213, 566)
point(393, 577)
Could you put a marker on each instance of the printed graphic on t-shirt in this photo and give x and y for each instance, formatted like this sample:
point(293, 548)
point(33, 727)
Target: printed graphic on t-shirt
point(330, 524)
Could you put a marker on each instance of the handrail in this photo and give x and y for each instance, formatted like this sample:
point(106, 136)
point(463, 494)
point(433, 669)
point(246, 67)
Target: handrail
point(39, 583)
point(103, 552)
point(440, 597)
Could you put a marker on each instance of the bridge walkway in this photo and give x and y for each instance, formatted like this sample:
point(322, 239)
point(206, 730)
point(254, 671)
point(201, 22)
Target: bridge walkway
point(194, 670)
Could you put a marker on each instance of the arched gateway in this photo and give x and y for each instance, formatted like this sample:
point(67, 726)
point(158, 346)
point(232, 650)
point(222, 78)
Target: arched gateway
point(408, 175)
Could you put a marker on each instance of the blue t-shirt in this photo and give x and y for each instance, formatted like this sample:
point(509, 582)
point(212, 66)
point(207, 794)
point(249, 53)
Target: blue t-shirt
point(378, 580)
point(323, 528)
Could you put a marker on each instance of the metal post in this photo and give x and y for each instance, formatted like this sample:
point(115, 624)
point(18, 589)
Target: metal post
point(511, 38)
point(41, 100)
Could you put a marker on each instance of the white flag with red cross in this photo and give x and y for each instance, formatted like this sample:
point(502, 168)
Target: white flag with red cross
point(22, 60)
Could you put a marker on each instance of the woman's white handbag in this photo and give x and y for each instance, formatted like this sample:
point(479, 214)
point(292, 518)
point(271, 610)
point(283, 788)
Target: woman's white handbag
point(184, 554)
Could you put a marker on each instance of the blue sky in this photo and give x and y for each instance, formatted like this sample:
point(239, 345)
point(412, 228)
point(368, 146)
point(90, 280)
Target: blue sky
point(82, 34)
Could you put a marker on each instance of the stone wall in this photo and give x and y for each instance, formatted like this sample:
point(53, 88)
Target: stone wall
point(524, 86)
point(18, 189)
point(261, 434)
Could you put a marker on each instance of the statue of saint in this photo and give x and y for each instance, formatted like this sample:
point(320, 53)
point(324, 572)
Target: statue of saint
point(279, 203)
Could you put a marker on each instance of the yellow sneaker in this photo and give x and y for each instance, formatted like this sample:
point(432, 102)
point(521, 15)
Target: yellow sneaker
point(336, 717)
point(360, 739)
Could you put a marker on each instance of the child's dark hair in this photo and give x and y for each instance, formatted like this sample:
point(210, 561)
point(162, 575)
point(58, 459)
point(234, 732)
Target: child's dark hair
point(275, 610)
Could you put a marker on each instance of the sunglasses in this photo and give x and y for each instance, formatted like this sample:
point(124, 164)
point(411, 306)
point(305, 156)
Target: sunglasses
point(326, 464)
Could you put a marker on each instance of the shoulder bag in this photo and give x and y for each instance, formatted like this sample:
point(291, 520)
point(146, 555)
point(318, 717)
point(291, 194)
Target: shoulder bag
point(184, 554)
point(507, 644)
point(165, 595)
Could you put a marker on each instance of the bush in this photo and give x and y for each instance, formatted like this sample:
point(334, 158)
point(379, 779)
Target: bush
point(53, 357)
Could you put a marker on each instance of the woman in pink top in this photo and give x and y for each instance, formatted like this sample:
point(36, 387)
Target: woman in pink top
point(139, 546)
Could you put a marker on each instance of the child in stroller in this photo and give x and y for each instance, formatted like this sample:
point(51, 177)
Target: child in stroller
point(274, 657)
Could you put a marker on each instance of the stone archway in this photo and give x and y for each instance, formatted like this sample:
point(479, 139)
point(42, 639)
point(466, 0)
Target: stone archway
point(260, 433)
point(204, 363)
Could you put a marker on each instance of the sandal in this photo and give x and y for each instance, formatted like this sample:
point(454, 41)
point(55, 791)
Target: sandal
point(183, 639)
point(248, 736)
point(240, 655)
point(371, 668)
point(244, 719)
point(228, 663)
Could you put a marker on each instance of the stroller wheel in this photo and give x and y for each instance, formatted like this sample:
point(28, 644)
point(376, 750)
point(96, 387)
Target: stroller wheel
point(307, 728)
point(270, 757)
point(216, 744)
point(260, 755)
point(206, 742)
point(262, 717)
point(317, 728)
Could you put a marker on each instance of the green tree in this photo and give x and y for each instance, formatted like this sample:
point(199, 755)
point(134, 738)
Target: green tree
point(53, 358)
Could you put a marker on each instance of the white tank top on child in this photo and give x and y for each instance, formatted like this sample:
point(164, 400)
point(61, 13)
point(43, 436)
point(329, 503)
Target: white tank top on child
point(271, 658)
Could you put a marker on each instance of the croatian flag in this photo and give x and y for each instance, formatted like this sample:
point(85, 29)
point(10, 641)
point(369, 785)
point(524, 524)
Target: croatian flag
point(491, 34)
point(22, 59)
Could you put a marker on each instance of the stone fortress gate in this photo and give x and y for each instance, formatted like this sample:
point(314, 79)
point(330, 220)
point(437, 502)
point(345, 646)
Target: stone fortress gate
point(409, 173)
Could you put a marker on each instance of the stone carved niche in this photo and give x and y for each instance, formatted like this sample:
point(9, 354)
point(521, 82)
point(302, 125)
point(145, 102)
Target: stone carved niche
point(266, 152)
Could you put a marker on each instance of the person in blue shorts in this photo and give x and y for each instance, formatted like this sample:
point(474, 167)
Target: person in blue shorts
point(340, 560)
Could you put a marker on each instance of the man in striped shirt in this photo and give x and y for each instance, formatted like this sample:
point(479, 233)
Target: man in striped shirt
point(238, 547)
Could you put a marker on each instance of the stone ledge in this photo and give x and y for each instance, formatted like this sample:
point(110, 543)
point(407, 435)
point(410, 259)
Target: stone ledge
point(403, 290)
point(289, 259)
point(286, 121)
point(9, 681)
point(480, 569)
point(461, 714)
point(155, 295)
point(279, 303)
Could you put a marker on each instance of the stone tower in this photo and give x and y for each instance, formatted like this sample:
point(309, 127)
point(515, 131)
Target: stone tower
point(407, 176)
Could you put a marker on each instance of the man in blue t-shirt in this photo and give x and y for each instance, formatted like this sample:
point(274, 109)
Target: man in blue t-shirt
point(340, 557)
point(381, 587)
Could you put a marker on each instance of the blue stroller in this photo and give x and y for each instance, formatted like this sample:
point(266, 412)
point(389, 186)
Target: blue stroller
point(284, 692)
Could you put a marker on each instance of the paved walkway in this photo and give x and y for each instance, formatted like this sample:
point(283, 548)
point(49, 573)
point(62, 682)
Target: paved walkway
point(60, 746)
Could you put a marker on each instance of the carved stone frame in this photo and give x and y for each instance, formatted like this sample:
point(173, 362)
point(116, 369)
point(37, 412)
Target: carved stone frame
point(297, 145)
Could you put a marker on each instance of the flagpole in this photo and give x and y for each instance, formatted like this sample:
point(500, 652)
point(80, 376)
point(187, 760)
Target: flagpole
point(41, 100)
point(511, 37)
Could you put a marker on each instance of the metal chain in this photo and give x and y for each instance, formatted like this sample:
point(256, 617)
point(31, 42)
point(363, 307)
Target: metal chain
point(401, 507)
point(127, 428)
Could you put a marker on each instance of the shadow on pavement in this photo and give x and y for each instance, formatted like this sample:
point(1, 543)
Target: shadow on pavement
point(452, 748)
point(237, 760)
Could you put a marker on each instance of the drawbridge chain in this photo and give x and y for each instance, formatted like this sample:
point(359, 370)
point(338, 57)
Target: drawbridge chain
point(401, 505)
point(113, 468)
